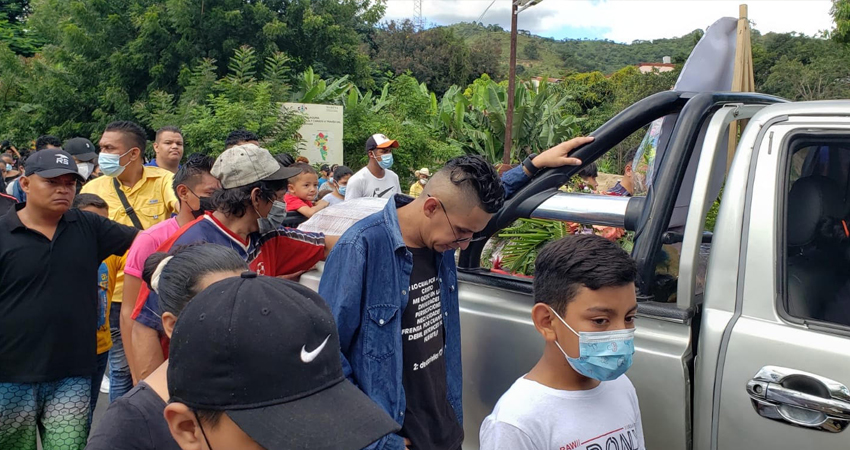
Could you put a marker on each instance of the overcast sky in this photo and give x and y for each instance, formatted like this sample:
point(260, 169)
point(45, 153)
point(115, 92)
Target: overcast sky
point(623, 20)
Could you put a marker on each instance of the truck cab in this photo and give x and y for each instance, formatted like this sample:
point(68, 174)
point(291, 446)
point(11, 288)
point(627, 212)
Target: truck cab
point(746, 344)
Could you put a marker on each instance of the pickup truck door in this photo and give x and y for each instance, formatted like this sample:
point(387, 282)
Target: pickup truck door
point(780, 382)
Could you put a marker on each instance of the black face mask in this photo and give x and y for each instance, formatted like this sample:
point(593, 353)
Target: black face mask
point(206, 205)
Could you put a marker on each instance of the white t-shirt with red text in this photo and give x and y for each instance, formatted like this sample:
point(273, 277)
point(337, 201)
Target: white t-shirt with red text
point(531, 416)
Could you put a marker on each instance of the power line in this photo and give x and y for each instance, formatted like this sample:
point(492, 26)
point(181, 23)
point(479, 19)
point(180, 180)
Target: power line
point(485, 11)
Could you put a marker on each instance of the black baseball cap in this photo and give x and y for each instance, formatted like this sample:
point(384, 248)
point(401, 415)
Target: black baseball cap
point(51, 163)
point(80, 148)
point(266, 352)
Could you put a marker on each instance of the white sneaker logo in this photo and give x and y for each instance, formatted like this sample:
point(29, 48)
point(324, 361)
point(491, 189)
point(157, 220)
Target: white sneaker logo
point(308, 357)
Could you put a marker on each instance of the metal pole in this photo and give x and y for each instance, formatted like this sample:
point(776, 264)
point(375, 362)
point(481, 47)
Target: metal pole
point(509, 122)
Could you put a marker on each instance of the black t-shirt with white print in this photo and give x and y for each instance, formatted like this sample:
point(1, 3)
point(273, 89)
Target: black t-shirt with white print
point(429, 420)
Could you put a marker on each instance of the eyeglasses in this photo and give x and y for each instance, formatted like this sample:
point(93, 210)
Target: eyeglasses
point(456, 241)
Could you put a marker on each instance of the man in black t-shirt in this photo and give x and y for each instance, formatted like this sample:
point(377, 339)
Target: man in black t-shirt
point(430, 420)
point(49, 257)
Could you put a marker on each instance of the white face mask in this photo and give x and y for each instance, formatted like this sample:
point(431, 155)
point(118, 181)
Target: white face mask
point(85, 169)
point(422, 181)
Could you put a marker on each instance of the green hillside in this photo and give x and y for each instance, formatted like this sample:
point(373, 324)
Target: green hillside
point(554, 58)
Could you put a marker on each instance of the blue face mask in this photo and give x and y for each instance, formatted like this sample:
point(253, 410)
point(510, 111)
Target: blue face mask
point(603, 355)
point(8, 167)
point(386, 161)
point(110, 164)
point(341, 190)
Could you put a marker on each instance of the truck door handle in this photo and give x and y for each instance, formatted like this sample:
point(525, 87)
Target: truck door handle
point(800, 398)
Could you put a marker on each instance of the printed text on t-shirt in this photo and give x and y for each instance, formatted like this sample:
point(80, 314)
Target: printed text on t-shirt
point(429, 320)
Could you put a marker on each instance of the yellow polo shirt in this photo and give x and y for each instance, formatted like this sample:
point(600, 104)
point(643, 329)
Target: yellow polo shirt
point(113, 266)
point(152, 198)
point(416, 189)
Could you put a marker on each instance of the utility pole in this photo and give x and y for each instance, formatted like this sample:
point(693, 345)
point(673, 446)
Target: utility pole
point(418, 20)
point(517, 6)
point(509, 121)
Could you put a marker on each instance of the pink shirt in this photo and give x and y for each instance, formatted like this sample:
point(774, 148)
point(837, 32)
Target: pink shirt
point(146, 244)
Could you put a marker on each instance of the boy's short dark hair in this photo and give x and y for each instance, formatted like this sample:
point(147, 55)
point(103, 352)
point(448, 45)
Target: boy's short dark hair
point(589, 171)
point(89, 200)
point(43, 141)
point(342, 171)
point(285, 159)
point(583, 260)
point(238, 136)
point(189, 174)
point(305, 168)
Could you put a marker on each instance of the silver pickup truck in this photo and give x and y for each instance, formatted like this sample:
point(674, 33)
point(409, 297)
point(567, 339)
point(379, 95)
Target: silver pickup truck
point(744, 345)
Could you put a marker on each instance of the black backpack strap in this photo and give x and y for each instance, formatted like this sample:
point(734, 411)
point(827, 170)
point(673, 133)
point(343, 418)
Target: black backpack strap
point(131, 213)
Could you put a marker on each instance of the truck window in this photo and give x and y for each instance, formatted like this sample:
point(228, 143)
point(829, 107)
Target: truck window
point(513, 250)
point(817, 230)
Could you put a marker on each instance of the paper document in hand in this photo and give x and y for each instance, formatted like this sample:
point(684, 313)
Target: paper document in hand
point(336, 219)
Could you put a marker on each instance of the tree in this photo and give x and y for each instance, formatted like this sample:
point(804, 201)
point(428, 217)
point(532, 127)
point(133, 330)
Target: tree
point(101, 57)
point(532, 50)
point(13, 31)
point(841, 16)
point(436, 56)
point(824, 77)
point(212, 108)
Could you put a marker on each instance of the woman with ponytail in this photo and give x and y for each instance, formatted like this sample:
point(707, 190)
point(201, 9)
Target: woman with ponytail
point(136, 420)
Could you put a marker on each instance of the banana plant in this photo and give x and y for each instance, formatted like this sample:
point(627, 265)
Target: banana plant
point(356, 99)
point(314, 89)
point(475, 120)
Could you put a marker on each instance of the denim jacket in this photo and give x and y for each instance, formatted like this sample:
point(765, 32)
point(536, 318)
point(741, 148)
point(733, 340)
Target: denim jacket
point(365, 281)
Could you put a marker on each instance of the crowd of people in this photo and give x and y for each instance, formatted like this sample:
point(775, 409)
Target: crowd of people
point(211, 342)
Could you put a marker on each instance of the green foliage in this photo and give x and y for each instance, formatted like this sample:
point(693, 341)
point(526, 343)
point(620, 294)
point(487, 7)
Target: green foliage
point(532, 50)
point(525, 239)
point(215, 65)
point(823, 77)
point(574, 55)
point(212, 108)
point(314, 89)
point(841, 15)
point(13, 30)
point(475, 120)
point(404, 111)
point(435, 56)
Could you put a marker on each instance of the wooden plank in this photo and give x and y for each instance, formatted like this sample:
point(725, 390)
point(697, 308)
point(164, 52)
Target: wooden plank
point(742, 75)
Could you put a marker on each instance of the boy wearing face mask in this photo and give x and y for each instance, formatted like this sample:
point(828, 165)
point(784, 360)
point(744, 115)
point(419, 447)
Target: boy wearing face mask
point(193, 184)
point(376, 179)
point(577, 395)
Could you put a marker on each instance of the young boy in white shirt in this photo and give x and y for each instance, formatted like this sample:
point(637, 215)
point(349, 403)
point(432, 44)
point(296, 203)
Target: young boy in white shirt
point(577, 396)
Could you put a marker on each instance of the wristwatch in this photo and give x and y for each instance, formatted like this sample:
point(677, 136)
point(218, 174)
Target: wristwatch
point(529, 167)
